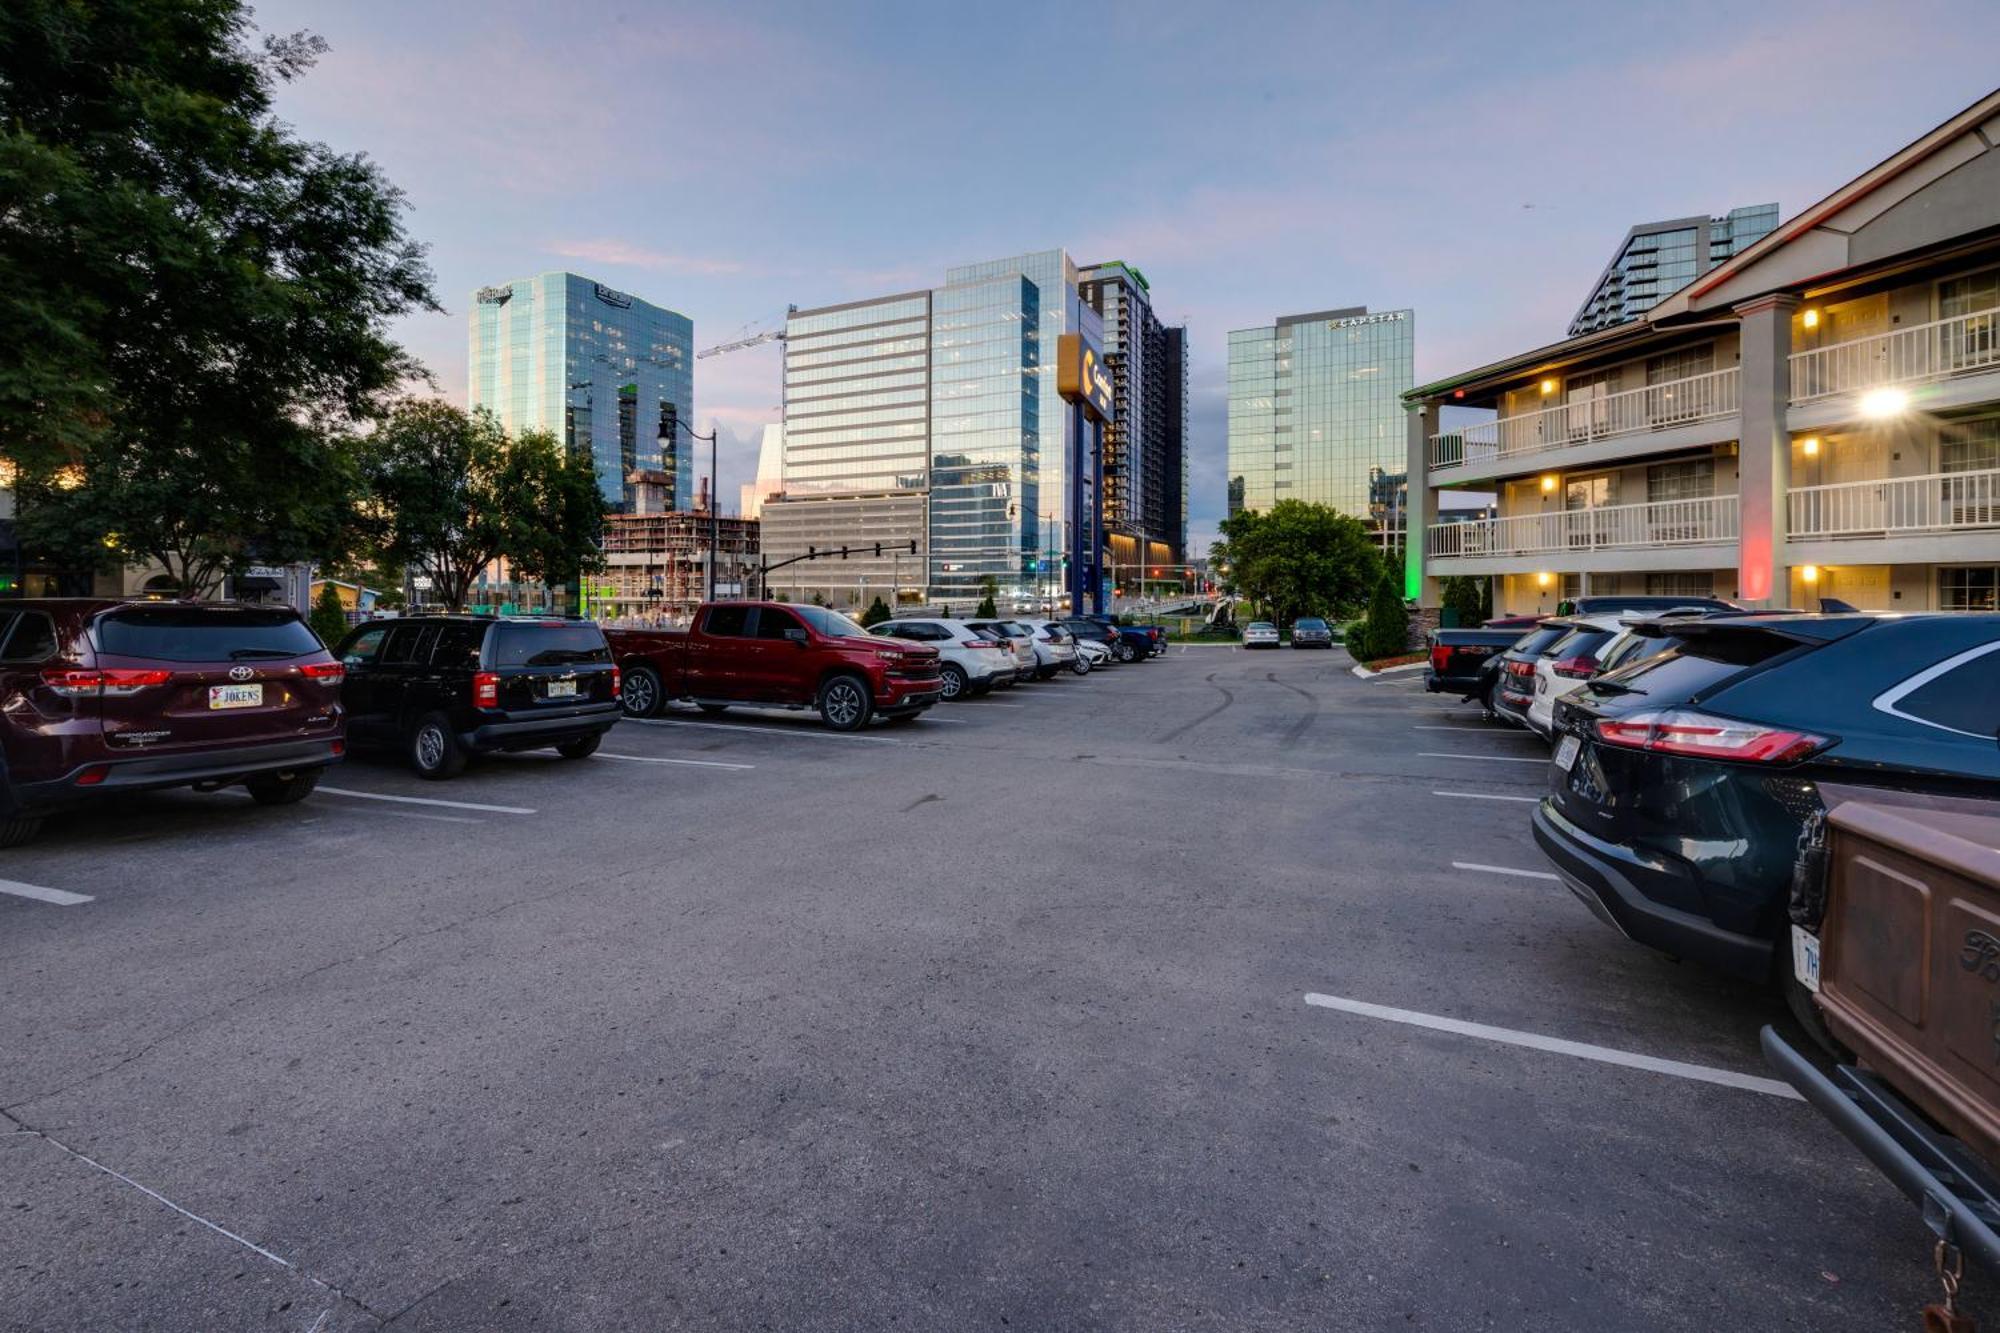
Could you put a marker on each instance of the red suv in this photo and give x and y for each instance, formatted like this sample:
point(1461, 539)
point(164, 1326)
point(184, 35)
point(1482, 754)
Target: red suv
point(101, 696)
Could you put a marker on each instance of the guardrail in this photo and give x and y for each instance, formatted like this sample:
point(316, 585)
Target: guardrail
point(1661, 523)
point(1655, 407)
point(1913, 355)
point(1939, 502)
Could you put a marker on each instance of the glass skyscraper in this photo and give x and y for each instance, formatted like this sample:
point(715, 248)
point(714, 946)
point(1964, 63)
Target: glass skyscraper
point(1657, 259)
point(1315, 403)
point(604, 372)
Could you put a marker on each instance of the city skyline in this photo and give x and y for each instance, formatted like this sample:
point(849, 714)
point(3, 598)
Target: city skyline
point(762, 197)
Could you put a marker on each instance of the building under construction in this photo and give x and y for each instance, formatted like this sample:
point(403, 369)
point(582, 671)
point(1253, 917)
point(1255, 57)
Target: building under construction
point(656, 557)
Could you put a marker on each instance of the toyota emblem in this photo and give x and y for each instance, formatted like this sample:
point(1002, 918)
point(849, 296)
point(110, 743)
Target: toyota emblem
point(241, 672)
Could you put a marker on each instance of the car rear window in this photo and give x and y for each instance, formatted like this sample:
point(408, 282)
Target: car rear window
point(1579, 643)
point(1700, 663)
point(533, 645)
point(1962, 699)
point(196, 634)
point(1535, 640)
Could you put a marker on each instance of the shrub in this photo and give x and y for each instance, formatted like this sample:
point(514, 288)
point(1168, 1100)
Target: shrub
point(1386, 632)
point(329, 617)
point(876, 613)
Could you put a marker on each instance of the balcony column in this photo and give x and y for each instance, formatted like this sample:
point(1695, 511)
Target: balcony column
point(1764, 449)
point(1422, 504)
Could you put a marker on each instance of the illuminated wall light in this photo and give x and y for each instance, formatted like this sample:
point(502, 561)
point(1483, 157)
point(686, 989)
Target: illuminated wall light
point(1810, 446)
point(1809, 573)
point(1881, 404)
point(1544, 580)
point(1548, 387)
point(1549, 484)
point(1810, 319)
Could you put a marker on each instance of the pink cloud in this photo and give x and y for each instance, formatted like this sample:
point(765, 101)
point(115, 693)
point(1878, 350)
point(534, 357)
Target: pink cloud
point(638, 256)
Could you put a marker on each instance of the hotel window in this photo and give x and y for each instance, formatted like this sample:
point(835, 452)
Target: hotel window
point(1970, 446)
point(1680, 365)
point(1681, 583)
point(1691, 480)
point(1970, 342)
point(1969, 588)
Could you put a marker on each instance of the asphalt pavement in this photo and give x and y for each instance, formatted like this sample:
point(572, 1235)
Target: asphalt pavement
point(1223, 991)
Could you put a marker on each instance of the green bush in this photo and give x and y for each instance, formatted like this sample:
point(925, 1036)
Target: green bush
point(876, 613)
point(986, 610)
point(329, 617)
point(1386, 631)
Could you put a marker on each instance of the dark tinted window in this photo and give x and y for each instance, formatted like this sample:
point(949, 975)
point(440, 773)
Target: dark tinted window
point(1965, 698)
point(1309, 622)
point(366, 647)
point(539, 645)
point(457, 647)
point(402, 645)
point(772, 623)
point(1579, 643)
point(730, 620)
point(1535, 640)
point(197, 634)
point(1692, 667)
point(32, 638)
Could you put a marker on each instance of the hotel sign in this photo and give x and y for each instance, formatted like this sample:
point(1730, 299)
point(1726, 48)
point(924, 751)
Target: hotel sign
point(1386, 317)
point(494, 295)
point(1081, 376)
point(612, 296)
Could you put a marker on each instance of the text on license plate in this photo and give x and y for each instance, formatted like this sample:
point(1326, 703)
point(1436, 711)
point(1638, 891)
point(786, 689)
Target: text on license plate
point(1566, 752)
point(235, 696)
point(562, 689)
point(1805, 957)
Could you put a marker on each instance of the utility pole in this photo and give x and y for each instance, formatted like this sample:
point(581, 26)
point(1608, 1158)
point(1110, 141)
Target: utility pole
point(714, 513)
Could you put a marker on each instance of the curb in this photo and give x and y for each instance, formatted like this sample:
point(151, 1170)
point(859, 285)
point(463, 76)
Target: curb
point(1365, 674)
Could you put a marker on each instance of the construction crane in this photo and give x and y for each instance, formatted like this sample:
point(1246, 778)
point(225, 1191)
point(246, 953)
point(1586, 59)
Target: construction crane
point(769, 335)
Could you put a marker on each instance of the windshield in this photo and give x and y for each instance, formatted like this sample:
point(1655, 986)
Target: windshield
point(1310, 622)
point(540, 645)
point(828, 622)
point(1262, 624)
point(204, 634)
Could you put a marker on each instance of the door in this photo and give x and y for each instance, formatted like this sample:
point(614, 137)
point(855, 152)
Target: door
point(787, 671)
point(361, 692)
point(721, 654)
point(398, 666)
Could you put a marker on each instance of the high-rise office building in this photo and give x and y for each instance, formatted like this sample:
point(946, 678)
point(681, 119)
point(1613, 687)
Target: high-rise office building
point(1657, 259)
point(1315, 403)
point(604, 372)
point(1144, 444)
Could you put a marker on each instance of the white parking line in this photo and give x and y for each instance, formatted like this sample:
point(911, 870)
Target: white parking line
point(1483, 731)
point(1486, 796)
point(1489, 758)
point(1535, 1041)
point(60, 897)
point(652, 759)
point(423, 800)
point(1503, 870)
point(725, 728)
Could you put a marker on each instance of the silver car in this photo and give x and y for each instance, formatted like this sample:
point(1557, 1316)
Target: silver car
point(1260, 634)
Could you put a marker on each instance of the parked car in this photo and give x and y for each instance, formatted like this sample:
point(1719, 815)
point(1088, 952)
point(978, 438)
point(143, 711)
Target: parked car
point(1597, 604)
point(102, 696)
point(1311, 632)
point(1457, 656)
point(969, 663)
point(776, 655)
point(1568, 662)
point(1090, 655)
point(440, 689)
point(1260, 634)
point(1131, 643)
point(1511, 687)
point(1018, 640)
point(1681, 786)
point(1055, 647)
point(1086, 630)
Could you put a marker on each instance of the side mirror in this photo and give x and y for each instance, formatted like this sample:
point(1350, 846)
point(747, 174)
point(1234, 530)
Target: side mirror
point(798, 636)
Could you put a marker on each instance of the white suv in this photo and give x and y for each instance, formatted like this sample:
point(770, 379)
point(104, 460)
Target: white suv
point(1023, 641)
point(969, 662)
point(1570, 661)
point(1055, 647)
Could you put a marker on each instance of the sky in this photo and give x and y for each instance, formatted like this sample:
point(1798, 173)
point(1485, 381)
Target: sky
point(1477, 162)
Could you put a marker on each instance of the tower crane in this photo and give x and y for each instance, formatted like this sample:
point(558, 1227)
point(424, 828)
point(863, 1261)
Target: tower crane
point(769, 335)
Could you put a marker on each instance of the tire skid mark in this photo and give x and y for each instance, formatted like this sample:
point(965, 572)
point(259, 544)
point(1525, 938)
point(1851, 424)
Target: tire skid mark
point(1227, 699)
point(1298, 728)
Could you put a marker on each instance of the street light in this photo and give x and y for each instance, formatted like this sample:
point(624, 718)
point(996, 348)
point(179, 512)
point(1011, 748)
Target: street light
point(714, 514)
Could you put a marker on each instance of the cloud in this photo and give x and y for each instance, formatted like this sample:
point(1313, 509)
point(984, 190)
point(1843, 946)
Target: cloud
point(627, 255)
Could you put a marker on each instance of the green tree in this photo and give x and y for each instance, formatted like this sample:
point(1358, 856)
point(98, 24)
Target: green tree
point(555, 511)
point(1299, 559)
point(329, 617)
point(193, 302)
point(876, 613)
point(1386, 631)
point(988, 589)
point(1470, 597)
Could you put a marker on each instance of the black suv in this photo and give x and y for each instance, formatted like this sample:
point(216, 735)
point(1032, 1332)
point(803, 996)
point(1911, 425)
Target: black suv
point(442, 688)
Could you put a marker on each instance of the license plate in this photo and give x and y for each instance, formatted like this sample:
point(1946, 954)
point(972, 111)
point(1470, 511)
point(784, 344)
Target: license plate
point(1475, 652)
point(1805, 958)
point(562, 689)
point(235, 696)
point(1566, 752)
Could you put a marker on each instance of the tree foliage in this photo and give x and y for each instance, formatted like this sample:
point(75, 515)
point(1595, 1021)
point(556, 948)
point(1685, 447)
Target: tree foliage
point(1299, 559)
point(193, 302)
point(329, 617)
point(1386, 631)
point(1470, 597)
point(876, 613)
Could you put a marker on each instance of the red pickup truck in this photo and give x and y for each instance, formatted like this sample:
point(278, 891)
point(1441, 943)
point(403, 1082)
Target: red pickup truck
point(774, 654)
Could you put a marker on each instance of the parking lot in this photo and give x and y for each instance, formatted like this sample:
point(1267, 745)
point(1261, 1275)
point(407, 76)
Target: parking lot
point(1225, 990)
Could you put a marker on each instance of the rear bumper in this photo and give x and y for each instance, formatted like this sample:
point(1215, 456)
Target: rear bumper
point(515, 733)
point(1611, 881)
point(1437, 684)
point(1510, 711)
point(146, 772)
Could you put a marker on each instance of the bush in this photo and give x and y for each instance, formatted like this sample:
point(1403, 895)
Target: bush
point(876, 613)
point(1386, 632)
point(986, 610)
point(1469, 598)
point(329, 617)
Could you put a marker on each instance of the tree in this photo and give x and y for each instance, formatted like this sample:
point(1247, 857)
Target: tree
point(1299, 559)
point(1386, 631)
point(988, 589)
point(1470, 597)
point(876, 613)
point(329, 617)
point(554, 511)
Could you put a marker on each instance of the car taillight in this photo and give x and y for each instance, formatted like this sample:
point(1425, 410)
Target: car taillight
point(1576, 668)
point(73, 682)
point(979, 643)
point(616, 678)
point(485, 690)
point(131, 682)
point(93, 775)
point(330, 672)
point(338, 748)
point(1440, 654)
point(1685, 732)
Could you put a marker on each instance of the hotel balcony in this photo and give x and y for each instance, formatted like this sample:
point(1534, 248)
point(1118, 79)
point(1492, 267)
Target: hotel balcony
point(1944, 516)
point(1961, 356)
point(1665, 534)
point(1674, 414)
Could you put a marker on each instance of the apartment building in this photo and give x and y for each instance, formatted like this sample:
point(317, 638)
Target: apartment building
point(1817, 416)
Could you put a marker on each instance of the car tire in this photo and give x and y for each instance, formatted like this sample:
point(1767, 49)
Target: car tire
point(18, 830)
point(1124, 652)
point(1079, 665)
point(952, 681)
point(434, 750)
point(844, 704)
point(288, 788)
point(642, 693)
point(581, 748)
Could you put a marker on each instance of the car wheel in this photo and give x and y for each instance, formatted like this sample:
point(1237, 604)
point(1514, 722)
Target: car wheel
point(581, 748)
point(283, 788)
point(642, 694)
point(714, 710)
point(1079, 665)
point(434, 751)
point(844, 704)
point(1124, 652)
point(951, 677)
point(18, 830)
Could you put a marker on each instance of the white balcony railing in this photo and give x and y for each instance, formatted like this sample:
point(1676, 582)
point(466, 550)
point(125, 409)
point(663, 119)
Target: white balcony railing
point(1662, 523)
point(1941, 502)
point(1915, 355)
point(1655, 407)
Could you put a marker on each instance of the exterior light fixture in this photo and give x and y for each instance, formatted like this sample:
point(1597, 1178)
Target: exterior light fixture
point(1548, 387)
point(1810, 446)
point(1544, 579)
point(1810, 318)
point(1548, 483)
point(1881, 404)
point(1809, 573)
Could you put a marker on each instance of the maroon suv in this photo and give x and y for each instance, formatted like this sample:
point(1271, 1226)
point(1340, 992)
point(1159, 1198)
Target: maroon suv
point(102, 696)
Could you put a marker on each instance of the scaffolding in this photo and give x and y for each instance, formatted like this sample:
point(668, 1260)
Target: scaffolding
point(656, 560)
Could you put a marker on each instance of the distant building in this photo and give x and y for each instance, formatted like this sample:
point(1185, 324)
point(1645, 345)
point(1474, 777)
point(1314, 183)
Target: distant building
point(605, 372)
point(1145, 443)
point(1315, 407)
point(770, 479)
point(1659, 258)
point(656, 558)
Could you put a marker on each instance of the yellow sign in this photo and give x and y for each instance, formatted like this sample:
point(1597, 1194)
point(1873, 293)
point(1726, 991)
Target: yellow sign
point(1081, 375)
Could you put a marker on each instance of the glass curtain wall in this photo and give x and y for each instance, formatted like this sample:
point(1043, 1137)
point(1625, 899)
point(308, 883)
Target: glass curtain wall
point(986, 462)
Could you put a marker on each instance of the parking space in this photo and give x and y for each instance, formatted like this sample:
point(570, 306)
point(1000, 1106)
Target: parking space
point(1222, 990)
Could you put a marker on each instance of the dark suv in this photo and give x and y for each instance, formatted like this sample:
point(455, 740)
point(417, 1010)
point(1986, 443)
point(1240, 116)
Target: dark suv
point(102, 696)
point(442, 688)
